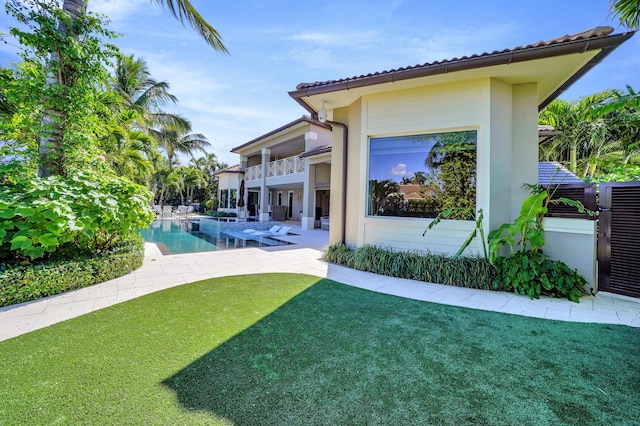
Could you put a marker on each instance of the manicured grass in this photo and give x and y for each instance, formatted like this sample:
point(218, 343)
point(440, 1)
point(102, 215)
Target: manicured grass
point(294, 349)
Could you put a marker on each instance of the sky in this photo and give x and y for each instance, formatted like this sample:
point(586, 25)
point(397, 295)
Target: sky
point(276, 44)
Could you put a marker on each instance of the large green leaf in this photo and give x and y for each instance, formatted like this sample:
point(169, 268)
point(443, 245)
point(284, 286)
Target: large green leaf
point(25, 211)
point(533, 206)
point(7, 213)
point(48, 240)
point(21, 242)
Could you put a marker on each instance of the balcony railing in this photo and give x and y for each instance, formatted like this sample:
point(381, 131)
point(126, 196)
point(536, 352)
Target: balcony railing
point(283, 167)
point(254, 172)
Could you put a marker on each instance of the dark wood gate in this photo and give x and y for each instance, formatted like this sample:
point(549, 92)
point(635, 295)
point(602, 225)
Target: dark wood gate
point(619, 238)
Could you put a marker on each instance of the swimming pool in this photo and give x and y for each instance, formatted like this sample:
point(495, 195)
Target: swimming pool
point(193, 236)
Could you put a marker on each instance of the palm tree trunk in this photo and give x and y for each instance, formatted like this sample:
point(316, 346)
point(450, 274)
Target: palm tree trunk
point(49, 148)
point(572, 158)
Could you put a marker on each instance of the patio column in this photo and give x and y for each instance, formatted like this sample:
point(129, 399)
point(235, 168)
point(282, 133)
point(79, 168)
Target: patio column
point(308, 200)
point(264, 198)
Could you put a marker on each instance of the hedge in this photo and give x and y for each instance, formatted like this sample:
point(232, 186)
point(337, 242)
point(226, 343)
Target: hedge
point(465, 271)
point(20, 284)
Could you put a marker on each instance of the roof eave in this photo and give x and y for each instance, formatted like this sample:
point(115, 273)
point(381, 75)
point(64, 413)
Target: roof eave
point(303, 119)
point(607, 43)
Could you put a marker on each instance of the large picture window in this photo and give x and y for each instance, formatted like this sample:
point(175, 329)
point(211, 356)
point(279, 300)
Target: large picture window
point(423, 175)
point(228, 198)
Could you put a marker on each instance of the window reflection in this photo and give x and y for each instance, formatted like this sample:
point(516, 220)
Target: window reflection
point(423, 175)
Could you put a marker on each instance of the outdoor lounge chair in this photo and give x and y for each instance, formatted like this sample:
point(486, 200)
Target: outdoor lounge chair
point(167, 211)
point(283, 231)
point(272, 231)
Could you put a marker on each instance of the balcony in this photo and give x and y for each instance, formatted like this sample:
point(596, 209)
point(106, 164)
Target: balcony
point(283, 167)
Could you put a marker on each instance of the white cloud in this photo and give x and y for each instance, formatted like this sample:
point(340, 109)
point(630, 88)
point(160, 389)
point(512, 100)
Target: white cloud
point(399, 169)
point(120, 10)
point(335, 38)
point(456, 42)
point(313, 58)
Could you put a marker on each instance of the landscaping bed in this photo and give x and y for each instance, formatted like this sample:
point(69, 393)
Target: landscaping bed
point(20, 284)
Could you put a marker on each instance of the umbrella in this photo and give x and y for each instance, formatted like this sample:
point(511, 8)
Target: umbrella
point(241, 195)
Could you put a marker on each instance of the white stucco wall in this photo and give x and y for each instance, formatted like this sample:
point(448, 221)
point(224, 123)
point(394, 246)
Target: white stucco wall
point(505, 117)
point(450, 107)
point(573, 241)
point(323, 175)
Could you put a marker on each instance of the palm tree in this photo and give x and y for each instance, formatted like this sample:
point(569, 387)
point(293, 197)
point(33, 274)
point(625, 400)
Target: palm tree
point(129, 150)
point(179, 140)
point(419, 178)
point(573, 120)
point(67, 71)
point(139, 92)
point(628, 11)
point(624, 124)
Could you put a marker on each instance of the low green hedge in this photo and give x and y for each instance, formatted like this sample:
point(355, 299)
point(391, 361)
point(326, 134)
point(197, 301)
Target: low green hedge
point(465, 271)
point(215, 213)
point(24, 283)
point(529, 273)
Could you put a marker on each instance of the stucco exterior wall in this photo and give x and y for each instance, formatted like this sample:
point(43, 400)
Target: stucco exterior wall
point(449, 107)
point(323, 175)
point(505, 117)
point(228, 181)
point(573, 241)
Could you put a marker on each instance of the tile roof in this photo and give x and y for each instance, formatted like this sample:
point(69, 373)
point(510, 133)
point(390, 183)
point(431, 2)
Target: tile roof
point(316, 151)
point(593, 39)
point(554, 173)
point(594, 32)
point(232, 169)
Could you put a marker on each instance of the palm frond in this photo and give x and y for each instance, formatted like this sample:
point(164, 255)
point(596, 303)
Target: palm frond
point(628, 11)
point(183, 11)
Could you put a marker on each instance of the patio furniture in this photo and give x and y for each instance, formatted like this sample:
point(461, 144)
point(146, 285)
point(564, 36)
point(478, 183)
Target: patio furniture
point(272, 231)
point(279, 213)
point(167, 211)
point(184, 211)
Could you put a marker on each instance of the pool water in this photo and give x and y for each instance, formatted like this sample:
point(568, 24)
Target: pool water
point(173, 237)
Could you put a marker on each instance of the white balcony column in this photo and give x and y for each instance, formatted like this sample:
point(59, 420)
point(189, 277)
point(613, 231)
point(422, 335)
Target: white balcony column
point(264, 197)
point(310, 139)
point(309, 198)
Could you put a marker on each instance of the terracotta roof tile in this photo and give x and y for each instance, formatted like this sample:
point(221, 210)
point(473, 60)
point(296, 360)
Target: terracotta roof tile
point(584, 35)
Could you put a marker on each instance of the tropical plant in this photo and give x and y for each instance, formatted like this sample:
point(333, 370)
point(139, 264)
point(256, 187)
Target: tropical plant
point(66, 42)
point(575, 121)
point(526, 232)
point(178, 140)
point(628, 11)
point(478, 229)
point(381, 195)
point(453, 173)
point(41, 218)
point(532, 273)
point(63, 73)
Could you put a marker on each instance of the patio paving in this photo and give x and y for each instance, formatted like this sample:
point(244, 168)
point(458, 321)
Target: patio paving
point(160, 272)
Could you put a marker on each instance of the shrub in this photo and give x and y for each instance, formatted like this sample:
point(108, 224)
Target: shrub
point(464, 271)
point(532, 273)
point(221, 214)
point(63, 217)
point(24, 283)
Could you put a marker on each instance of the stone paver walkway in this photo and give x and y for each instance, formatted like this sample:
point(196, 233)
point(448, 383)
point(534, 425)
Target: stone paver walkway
point(160, 272)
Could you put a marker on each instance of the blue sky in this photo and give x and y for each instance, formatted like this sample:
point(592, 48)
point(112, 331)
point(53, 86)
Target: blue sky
point(274, 45)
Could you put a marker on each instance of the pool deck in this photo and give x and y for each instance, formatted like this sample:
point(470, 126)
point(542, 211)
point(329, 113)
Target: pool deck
point(160, 272)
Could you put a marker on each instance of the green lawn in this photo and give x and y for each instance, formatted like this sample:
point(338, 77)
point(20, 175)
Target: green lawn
point(298, 350)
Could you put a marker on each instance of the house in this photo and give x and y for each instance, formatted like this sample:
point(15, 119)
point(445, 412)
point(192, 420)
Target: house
point(228, 188)
point(287, 173)
point(470, 122)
